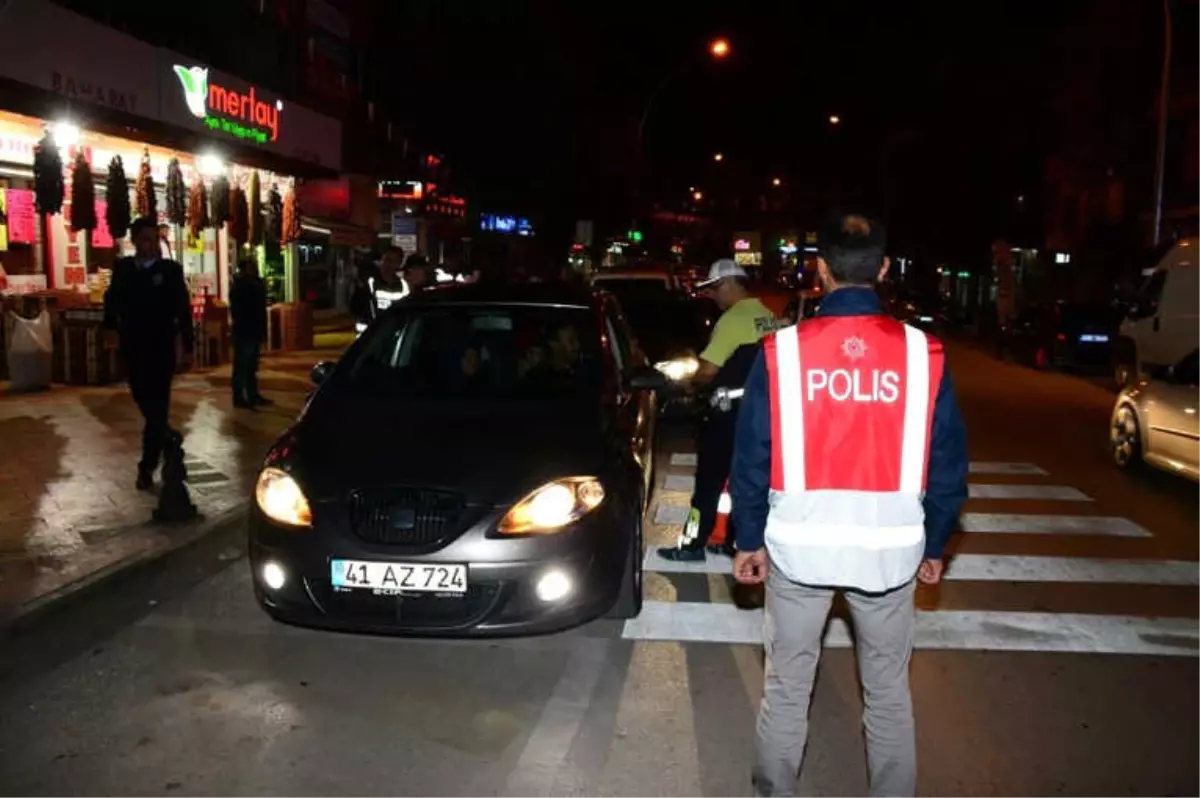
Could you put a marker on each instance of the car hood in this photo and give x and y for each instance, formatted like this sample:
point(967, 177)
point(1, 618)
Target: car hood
point(491, 454)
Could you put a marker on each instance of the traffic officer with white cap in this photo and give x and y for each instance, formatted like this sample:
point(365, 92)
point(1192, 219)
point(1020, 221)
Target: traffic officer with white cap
point(724, 364)
point(849, 471)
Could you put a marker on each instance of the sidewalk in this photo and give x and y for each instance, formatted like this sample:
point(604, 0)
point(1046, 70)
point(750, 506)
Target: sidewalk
point(69, 514)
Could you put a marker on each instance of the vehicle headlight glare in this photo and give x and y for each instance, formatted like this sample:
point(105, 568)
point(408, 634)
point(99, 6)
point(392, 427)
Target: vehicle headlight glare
point(679, 368)
point(553, 506)
point(281, 499)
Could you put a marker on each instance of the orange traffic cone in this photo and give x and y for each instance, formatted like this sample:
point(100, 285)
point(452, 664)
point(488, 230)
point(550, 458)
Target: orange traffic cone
point(721, 526)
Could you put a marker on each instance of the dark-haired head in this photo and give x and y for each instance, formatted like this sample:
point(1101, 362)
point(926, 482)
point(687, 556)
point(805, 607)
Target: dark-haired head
point(852, 252)
point(144, 235)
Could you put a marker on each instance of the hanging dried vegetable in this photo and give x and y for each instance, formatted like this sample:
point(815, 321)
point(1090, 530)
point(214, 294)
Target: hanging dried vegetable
point(176, 194)
point(291, 218)
point(239, 222)
point(219, 201)
point(116, 190)
point(83, 195)
point(49, 188)
point(254, 203)
point(274, 218)
point(197, 215)
point(147, 202)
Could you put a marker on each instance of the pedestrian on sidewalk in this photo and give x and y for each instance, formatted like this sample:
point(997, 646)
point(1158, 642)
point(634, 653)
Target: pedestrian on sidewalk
point(849, 471)
point(148, 315)
point(248, 308)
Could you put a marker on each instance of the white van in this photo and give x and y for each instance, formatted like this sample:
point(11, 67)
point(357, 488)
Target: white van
point(1162, 328)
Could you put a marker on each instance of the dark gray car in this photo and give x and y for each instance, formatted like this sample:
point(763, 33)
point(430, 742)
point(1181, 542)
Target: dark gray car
point(478, 462)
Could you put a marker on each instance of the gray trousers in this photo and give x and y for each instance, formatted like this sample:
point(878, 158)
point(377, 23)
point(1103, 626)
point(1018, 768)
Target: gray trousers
point(883, 625)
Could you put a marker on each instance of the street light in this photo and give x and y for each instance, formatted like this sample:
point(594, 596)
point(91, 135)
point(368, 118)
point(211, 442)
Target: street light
point(835, 120)
point(776, 182)
point(697, 195)
point(719, 48)
point(719, 157)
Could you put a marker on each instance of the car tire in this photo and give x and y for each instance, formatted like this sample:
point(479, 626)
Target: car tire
point(1125, 438)
point(629, 597)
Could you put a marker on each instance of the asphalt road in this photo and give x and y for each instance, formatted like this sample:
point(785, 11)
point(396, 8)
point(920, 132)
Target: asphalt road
point(1059, 658)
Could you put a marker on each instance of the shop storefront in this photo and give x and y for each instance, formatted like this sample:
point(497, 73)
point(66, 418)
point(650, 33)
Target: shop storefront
point(747, 251)
point(136, 130)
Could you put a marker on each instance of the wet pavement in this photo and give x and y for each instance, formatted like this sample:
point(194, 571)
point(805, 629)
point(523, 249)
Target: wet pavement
point(68, 507)
point(1059, 657)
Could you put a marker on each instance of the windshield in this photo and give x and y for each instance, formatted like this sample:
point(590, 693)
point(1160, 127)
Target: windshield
point(631, 290)
point(480, 352)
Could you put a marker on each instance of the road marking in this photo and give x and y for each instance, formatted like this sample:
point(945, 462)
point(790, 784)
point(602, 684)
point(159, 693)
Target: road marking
point(1017, 524)
point(1003, 568)
point(1053, 492)
point(987, 467)
point(683, 459)
point(962, 630)
point(680, 482)
point(1017, 568)
point(671, 513)
point(556, 729)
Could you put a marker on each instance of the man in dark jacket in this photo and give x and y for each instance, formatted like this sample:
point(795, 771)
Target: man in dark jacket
point(248, 308)
point(147, 306)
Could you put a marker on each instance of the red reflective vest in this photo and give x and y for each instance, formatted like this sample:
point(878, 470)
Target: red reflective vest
point(851, 401)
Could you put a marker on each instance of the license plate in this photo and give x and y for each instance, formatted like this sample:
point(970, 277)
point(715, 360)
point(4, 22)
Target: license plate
point(389, 578)
point(1093, 339)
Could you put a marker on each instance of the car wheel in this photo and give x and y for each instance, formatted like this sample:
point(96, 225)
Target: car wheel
point(1125, 438)
point(629, 599)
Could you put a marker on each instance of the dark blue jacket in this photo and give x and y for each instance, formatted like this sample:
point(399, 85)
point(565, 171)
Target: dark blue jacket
point(750, 477)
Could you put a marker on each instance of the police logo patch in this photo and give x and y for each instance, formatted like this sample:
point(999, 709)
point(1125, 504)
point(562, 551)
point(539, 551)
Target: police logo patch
point(854, 347)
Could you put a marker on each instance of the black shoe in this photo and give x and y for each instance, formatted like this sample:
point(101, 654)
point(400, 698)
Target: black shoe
point(682, 553)
point(262, 400)
point(145, 480)
point(242, 404)
point(726, 549)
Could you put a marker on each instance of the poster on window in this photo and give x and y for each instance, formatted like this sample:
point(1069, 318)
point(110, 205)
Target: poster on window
point(22, 219)
point(101, 237)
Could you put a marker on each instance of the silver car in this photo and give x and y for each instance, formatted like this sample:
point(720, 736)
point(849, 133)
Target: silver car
point(1155, 421)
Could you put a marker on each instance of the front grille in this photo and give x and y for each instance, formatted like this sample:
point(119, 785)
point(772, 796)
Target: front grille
point(405, 516)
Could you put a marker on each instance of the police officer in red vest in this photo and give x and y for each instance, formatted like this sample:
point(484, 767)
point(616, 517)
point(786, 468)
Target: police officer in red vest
point(849, 471)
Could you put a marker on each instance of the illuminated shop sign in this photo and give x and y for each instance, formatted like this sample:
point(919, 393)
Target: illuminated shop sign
point(401, 189)
point(507, 225)
point(741, 245)
point(244, 115)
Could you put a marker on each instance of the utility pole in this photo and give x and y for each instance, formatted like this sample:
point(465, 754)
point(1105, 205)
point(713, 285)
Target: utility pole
point(1163, 109)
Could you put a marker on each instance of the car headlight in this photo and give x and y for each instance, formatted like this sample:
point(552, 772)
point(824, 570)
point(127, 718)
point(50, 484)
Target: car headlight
point(553, 506)
point(280, 498)
point(679, 368)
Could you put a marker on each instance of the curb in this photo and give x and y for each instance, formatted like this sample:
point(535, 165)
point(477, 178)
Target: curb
point(68, 595)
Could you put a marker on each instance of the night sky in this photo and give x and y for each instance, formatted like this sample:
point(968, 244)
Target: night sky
point(953, 106)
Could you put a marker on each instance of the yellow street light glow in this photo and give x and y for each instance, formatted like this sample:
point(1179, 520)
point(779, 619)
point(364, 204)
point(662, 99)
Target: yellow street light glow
point(719, 48)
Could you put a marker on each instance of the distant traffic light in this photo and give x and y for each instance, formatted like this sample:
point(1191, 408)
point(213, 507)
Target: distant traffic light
point(635, 236)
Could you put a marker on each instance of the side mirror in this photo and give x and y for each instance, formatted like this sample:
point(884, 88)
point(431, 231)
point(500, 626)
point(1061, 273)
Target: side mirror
point(321, 372)
point(647, 378)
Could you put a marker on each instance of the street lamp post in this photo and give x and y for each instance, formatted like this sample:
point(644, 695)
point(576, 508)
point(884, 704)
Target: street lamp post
point(1164, 97)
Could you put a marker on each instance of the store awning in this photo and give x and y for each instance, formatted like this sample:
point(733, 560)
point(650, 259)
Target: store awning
point(339, 233)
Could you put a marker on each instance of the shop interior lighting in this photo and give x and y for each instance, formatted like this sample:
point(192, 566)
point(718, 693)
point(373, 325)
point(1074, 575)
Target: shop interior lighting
point(210, 165)
point(65, 134)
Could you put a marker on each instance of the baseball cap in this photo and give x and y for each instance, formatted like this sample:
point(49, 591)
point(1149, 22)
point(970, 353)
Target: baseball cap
point(725, 267)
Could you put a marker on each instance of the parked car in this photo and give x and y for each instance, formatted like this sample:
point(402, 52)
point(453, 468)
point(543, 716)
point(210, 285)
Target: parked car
point(477, 463)
point(1161, 327)
point(1155, 421)
point(1061, 335)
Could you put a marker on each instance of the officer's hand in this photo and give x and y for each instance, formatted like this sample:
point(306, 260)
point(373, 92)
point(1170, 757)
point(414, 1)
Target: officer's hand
point(930, 572)
point(750, 567)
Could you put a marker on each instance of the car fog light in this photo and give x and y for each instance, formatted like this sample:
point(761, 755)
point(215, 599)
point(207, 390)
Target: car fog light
point(553, 586)
point(273, 575)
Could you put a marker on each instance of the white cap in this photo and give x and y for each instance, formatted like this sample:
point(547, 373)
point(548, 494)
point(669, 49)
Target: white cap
point(725, 267)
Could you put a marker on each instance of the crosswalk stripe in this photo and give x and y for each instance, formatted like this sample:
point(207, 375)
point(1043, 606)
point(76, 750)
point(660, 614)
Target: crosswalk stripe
point(680, 482)
point(964, 630)
point(988, 467)
point(1000, 523)
point(1018, 568)
point(1052, 492)
point(668, 513)
point(1004, 568)
point(683, 459)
